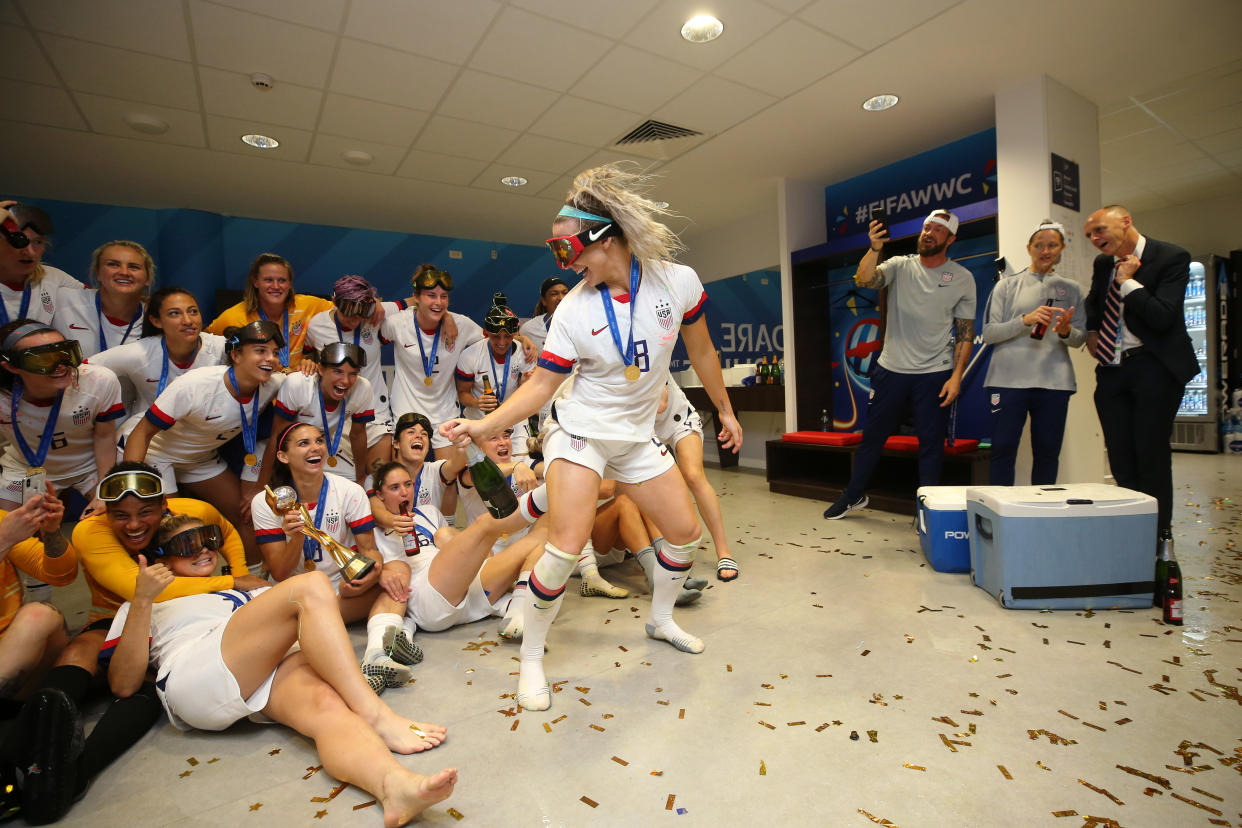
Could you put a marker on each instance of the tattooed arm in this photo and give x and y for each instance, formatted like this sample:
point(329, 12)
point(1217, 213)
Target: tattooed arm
point(964, 333)
point(866, 277)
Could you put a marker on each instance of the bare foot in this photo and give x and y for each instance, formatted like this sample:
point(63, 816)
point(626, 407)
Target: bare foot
point(402, 735)
point(407, 794)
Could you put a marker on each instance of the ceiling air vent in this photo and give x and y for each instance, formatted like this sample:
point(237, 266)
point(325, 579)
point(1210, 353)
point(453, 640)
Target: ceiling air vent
point(655, 131)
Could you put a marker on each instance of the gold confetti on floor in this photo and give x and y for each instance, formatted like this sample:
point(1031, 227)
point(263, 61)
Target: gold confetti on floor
point(668, 803)
point(1189, 801)
point(320, 814)
point(768, 726)
point(1004, 772)
point(596, 727)
point(589, 801)
point(256, 806)
point(456, 814)
point(547, 727)
point(1064, 813)
point(619, 761)
point(763, 768)
point(192, 761)
point(273, 751)
point(184, 774)
point(878, 820)
point(913, 767)
point(1100, 791)
point(311, 770)
point(362, 805)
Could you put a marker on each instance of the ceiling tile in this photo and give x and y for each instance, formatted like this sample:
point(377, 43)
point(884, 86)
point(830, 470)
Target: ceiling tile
point(1138, 201)
point(1221, 142)
point(866, 25)
point(370, 121)
point(431, 166)
point(1181, 171)
point(489, 179)
point(1199, 125)
point(1125, 122)
point(1139, 145)
point(789, 6)
point(23, 59)
point(558, 188)
point(47, 105)
point(232, 94)
point(327, 150)
point(373, 72)
point(744, 22)
point(467, 139)
point(224, 134)
point(154, 27)
point(319, 14)
point(1200, 189)
point(606, 17)
point(585, 122)
point(634, 80)
point(713, 105)
point(555, 68)
point(242, 42)
point(535, 152)
point(786, 59)
point(88, 67)
point(494, 100)
point(445, 31)
point(9, 14)
point(107, 115)
point(1231, 159)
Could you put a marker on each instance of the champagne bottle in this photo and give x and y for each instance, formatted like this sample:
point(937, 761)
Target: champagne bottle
point(1173, 595)
point(490, 483)
point(1164, 554)
point(761, 371)
point(411, 540)
point(1042, 328)
point(772, 371)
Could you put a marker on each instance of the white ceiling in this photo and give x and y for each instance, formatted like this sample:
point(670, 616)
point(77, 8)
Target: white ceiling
point(448, 97)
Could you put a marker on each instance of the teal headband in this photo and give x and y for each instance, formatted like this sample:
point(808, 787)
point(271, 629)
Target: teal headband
point(574, 212)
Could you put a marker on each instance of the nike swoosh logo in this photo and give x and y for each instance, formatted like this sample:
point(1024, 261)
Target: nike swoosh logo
point(151, 380)
point(411, 345)
point(594, 235)
point(218, 416)
point(74, 327)
point(600, 331)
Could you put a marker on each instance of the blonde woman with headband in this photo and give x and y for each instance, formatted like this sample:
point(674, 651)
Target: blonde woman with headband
point(110, 313)
point(1034, 317)
point(618, 326)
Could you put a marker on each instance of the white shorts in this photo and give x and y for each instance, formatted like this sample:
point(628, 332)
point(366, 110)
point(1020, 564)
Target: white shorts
point(382, 425)
point(691, 424)
point(199, 691)
point(432, 612)
point(621, 460)
point(171, 472)
point(12, 480)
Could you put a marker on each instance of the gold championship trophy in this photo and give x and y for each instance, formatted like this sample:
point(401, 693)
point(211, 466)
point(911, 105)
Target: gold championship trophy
point(354, 566)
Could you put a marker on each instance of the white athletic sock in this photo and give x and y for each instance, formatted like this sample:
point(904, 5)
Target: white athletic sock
point(407, 624)
point(376, 625)
point(534, 504)
point(515, 613)
point(547, 579)
point(533, 690)
point(672, 564)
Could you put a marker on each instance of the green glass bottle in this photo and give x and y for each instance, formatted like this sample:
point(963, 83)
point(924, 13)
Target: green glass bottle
point(490, 483)
point(1164, 554)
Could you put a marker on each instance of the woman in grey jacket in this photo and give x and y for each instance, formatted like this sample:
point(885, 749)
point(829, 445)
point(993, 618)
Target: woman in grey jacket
point(1034, 317)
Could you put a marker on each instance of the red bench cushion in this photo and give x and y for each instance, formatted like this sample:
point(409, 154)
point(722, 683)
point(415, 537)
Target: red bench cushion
point(824, 438)
point(909, 442)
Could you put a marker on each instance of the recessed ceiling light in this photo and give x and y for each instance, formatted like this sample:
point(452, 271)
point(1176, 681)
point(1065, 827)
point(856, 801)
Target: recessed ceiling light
point(260, 141)
point(146, 124)
point(514, 181)
point(879, 103)
point(358, 157)
point(662, 204)
point(702, 28)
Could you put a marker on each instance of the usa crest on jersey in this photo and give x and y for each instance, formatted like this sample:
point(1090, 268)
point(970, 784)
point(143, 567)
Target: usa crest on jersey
point(81, 415)
point(664, 314)
point(46, 299)
point(332, 522)
point(577, 443)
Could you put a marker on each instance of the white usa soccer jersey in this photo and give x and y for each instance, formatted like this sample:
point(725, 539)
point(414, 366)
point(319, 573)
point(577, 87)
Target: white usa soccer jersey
point(41, 300)
point(145, 370)
point(427, 521)
point(603, 403)
point(324, 329)
point(79, 316)
point(300, 399)
point(478, 362)
point(410, 347)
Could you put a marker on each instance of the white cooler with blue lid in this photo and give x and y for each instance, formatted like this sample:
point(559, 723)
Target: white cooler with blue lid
point(1074, 546)
point(942, 527)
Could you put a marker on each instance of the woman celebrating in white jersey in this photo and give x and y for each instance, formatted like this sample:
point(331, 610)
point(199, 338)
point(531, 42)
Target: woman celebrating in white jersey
point(619, 325)
point(111, 313)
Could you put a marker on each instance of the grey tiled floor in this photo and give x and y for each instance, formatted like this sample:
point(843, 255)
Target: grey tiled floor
point(837, 623)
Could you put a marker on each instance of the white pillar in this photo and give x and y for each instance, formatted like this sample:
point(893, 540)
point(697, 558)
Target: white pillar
point(801, 212)
point(1034, 119)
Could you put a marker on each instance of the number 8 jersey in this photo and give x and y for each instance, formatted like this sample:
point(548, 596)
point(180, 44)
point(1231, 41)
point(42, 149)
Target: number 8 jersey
point(603, 403)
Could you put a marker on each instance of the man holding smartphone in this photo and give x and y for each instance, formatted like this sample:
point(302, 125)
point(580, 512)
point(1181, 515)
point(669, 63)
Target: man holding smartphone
point(929, 298)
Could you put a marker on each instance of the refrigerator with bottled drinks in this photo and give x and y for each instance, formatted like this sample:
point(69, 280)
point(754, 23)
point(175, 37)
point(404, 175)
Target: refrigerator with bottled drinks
point(1196, 427)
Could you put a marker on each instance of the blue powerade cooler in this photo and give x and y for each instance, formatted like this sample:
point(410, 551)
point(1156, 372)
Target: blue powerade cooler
point(942, 527)
point(1077, 546)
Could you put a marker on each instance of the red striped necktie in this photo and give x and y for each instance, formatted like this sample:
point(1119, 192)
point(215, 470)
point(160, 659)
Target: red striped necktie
point(1110, 328)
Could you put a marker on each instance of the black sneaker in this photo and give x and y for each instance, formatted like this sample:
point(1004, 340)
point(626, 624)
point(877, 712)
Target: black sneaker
point(51, 739)
point(841, 508)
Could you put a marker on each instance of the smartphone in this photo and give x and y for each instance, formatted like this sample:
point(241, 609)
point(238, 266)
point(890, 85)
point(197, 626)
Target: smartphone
point(881, 215)
point(35, 483)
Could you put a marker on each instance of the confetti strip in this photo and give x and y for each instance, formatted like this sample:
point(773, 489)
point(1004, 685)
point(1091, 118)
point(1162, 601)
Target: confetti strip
point(256, 806)
point(516, 722)
point(1150, 777)
point(1096, 726)
point(213, 759)
point(192, 761)
point(821, 727)
point(1188, 801)
point(1101, 791)
point(311, 770)
point(662, 701)
point(913, 767)
point(1123, 721)
point(763, 768)
point(768, 726)
point(1005, 773)
point(873, 735)
point(320, 814)
point(794, 724)
point(560, 718)
point(1205, 793)
point(589, 801)
point(878, 820)
point(729, 668)
point(583, 690)
point(1042, 765)
point(762, 704)
point(668, 803)
point(622, 649)
point(681, 714)
point(547, 727)
point(584, 701)
point(456, 814)
point(946, 720)
point(362, 805)
point(657, 773)
point(1064, 813)
point(596, 727)
point(1124, 667)
point(273, 752)
point(184, 774)
point(620, 761)
point(1071, 715)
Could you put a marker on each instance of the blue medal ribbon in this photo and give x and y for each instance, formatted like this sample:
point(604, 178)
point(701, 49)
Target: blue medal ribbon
point(34, 459)
point(99, 317)
point(627, 353)
point(308, 544)
point(341, 333)
point(334, 442)
point(500, 385)
point(22, 310)
point(428, 365)
point(164, 370)
point(250, 428)
point(284, 329)
point(418, 484)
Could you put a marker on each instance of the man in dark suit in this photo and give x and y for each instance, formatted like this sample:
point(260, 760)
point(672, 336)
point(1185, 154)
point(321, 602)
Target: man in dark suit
point(1136, 330)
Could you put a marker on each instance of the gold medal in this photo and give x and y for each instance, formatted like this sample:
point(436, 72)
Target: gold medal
point(251, 460)
point(309, 565)
point(632, 372)
point(332, 460)
point(36, 470)
point(427, 381)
